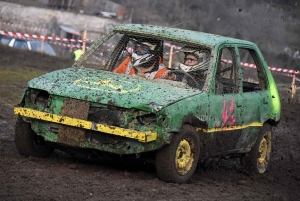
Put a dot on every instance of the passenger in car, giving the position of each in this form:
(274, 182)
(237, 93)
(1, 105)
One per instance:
(145, 61)
(195, 63)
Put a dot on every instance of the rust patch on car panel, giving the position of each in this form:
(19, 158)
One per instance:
(71, 135)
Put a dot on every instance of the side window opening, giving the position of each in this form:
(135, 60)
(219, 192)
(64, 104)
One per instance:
(4, 40)
(191, 59)
(20, 44)
(227, 76)
(253, 75)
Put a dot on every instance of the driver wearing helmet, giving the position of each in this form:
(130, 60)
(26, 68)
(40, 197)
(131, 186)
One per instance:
(144, 61)
(195, 63)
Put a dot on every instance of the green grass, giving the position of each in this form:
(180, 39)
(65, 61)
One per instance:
(13, 81)
(12, 75)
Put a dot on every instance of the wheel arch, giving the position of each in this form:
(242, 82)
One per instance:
(194, 121)
(272, 122)
(175, 168)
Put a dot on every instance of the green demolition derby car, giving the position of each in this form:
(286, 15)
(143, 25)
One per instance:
(133, 93)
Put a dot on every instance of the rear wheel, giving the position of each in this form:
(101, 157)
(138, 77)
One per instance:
(27, 142)
(257, 160)
(177, 162)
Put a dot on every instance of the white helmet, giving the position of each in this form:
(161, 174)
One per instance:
(201, 55)
(143, 53)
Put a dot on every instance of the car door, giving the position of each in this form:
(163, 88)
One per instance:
(225, 103)
(255, 96)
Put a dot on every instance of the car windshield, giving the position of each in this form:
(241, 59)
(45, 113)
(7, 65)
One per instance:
(159, 60)
(36, 46)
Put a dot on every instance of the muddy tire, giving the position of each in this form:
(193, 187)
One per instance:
(26, 141)
(257, 160)
(177, 162)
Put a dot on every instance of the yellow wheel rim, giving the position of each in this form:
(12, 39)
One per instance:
(264, 153)
(184, 157)
(263, 148)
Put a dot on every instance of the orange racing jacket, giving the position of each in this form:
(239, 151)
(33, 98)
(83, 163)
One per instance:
(126, 67)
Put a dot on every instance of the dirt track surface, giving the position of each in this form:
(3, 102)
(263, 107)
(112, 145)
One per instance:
(65, 176)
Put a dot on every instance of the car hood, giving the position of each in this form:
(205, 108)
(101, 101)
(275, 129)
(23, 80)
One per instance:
(109, 88)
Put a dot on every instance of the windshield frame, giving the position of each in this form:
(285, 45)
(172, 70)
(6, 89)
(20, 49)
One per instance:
(118, 49)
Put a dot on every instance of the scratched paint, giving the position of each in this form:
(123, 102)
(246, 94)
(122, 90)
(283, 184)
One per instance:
(114, 86)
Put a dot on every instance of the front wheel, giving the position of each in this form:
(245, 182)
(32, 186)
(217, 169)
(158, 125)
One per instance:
(257, 160)
(27, 141)
(177, 162)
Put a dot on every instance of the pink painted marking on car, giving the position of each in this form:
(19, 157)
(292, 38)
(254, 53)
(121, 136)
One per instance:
(225, 113)
(231, 109)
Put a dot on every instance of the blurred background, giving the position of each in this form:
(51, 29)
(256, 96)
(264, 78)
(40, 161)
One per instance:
(273, 25)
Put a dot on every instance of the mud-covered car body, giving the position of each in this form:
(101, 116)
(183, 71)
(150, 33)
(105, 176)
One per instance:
(89, 106)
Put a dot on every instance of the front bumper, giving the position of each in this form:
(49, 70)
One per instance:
(147, 136)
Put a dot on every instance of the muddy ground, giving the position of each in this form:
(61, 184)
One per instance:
(65, 176)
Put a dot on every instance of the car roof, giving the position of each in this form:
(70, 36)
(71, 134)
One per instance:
(181, 35)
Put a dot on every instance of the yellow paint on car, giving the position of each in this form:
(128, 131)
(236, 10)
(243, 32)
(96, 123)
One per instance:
(146, 136)
(229, 128)
(108, 84)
